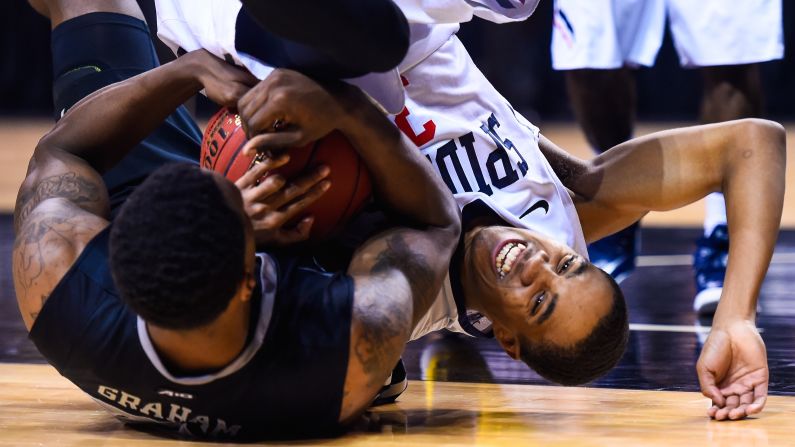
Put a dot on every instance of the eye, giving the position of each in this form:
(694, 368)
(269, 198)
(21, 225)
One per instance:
(537, 302)
(567, 262)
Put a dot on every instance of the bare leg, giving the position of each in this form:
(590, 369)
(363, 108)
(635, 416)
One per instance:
(59, 11)
(604, 104)
(731, 92)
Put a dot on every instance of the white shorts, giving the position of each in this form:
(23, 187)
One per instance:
(612, 33)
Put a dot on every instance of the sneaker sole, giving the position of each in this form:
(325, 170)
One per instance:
(391, 393)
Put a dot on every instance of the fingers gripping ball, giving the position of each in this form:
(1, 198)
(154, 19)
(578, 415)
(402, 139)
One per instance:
(221, 151)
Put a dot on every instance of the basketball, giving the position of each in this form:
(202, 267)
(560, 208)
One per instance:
(221, 151)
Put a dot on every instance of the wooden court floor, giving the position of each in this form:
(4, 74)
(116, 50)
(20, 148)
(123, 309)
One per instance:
(467, 392)
(39, 408)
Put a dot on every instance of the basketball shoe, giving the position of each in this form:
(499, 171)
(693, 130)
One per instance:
(709, 263)
(394, 386)
(615, 254)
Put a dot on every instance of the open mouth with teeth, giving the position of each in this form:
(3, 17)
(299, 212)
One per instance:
(506, 256)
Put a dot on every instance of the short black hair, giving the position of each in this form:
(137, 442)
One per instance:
(177, 249)
(592, 356)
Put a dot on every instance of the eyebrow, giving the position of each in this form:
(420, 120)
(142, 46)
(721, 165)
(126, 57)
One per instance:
(580, 270)
(548, 311)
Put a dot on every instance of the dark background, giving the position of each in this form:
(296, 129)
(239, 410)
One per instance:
(515, 57)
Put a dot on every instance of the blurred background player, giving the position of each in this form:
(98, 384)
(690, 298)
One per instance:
(598, 43)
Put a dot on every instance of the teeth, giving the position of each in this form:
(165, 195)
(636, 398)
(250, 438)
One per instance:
(507, 256)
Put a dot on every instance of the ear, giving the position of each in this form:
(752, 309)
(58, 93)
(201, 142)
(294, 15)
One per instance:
(248, 285)
(507, 339)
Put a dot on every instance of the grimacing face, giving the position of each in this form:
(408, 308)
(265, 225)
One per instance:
(534, 288)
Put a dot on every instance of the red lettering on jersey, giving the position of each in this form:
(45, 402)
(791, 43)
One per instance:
(404, 80)
(429, 128)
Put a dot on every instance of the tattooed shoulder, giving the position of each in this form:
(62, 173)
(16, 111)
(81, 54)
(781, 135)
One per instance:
(83, 191)
(47, 243)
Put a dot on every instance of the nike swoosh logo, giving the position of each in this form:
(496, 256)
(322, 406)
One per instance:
(541, 204)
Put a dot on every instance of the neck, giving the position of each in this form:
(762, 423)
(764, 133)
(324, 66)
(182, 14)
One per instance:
(210, 347)
(472, 299)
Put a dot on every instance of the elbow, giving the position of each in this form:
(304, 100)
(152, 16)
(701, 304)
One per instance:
(770, 136)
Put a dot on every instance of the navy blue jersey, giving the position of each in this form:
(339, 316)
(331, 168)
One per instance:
(288, 379)
(94, 50)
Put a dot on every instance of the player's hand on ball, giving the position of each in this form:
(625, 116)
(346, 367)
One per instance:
(223, 83)
(733, 371)
(288, 109)
(273, 204)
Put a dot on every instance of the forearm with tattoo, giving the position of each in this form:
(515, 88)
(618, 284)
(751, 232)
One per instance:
(422, 279)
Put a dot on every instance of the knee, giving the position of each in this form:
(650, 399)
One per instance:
(761, 134)
(40, 6)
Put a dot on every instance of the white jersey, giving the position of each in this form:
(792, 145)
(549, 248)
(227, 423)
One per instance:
(213, 24)
(488, 156)
(485, 152)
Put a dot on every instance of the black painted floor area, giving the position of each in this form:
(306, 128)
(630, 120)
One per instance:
(660, 295)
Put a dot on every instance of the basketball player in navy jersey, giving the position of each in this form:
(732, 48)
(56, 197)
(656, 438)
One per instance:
(138, 278)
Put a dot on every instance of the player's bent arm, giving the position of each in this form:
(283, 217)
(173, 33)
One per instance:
(397, 274)
(744, 159)
(107, 124)
(62, 204)
(403, 178)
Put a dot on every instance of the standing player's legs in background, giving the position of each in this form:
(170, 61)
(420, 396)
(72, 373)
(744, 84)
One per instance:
(604, 105)
(726, 43)
(596, 51)
(596, 46)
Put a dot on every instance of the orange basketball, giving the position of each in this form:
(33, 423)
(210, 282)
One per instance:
(350, 189)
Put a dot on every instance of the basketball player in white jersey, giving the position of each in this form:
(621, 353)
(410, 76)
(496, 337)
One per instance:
(598, 43)
(527, 279)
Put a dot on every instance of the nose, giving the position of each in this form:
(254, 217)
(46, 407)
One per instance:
(535, 268)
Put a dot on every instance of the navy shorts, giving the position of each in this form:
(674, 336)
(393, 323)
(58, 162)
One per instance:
(94, 50)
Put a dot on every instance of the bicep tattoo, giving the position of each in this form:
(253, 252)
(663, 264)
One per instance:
(385, 322)
(384, 308)
(80, 190)
(399, 256)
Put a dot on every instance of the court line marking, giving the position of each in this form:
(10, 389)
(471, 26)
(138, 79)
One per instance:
(642, 327)
(668, 328)
(685, 260)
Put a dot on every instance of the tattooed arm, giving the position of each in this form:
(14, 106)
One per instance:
(61, 205)
(399, 273)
